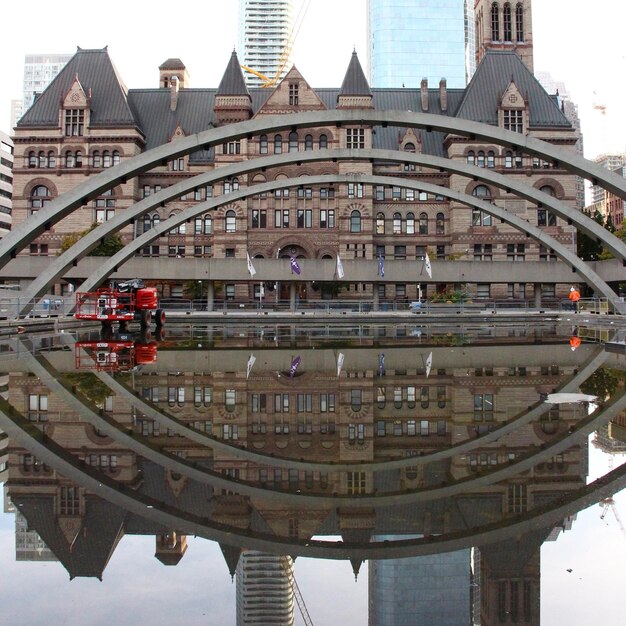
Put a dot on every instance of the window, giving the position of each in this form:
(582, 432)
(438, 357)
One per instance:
(96, 159)
(356, 400)
(423, 224)
(440, 227)
(230, 398)
(483, 407)
(545, 218)
(410, 223)
(32, 159)
(479, 217)
(508, 160)
(356, 483)
(263, 144)
(278, 144)
(293, 141)
(355, 138)
(39, 198)
(304, 218)
(380, 224)
(38, 407)
(355, 222)
(513, 120)
(480, 159)
(517, 498)
(516, 252)
(323, 142)
(397, 224)
(508, 26)
(230, 222)
(116, 157)
(259, 218)
(178, 165)
(327, 403)
(74, 122)
(471, 158)
(495, 22)
(491, 159)
(519, 23)
(483, 252)
(106, 159)
(546, 254)
(399, 253)
(379, 192)
(293, 94)
(355, 190)
(231, 184)
(396, 193)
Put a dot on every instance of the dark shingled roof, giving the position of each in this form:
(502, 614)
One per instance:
(233, 83)
(354, 82)
(95, 71)
(172, 64)
(494, 74)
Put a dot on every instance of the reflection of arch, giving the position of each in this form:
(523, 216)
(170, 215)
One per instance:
(73, 199)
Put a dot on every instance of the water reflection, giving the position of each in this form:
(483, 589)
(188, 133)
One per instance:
(388, 444)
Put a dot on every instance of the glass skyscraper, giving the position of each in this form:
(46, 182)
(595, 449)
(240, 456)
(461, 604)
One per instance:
(409, 40)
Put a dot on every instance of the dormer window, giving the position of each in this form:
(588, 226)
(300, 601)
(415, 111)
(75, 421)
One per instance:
(513, 119)
(293, 94)
(74, 122)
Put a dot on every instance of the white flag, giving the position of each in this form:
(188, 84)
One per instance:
(339, 363)
(250, 266)
(251, 361)
(340, 273)
(427, 266)
(429, 364)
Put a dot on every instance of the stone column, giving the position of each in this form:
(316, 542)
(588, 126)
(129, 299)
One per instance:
(210, 295)
(375, 303)
(537, 295)
(292, 296)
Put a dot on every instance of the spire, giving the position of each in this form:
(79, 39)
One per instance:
(356, 566)
(354, 82)
(233, 83)
(231, 556)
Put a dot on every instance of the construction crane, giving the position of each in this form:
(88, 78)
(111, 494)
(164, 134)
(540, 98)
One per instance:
(266, 81)
(609, 503)
(291, 577)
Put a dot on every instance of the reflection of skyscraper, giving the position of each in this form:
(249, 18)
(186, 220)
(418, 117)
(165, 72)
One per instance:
(433, 590)
(28, 544)
(264, 590)
(264, 31)
(409, 41)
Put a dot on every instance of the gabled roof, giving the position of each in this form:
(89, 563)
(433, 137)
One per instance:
(492, 77)
(97, 75)
(233, 83)
(354, 82)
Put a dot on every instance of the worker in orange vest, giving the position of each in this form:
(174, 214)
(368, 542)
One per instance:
(574, 342)
(574, 296)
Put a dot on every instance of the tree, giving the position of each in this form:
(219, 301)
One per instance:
(110, 246)
(588, 249)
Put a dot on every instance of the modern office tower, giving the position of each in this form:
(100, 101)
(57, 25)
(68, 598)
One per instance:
(559, 91)
(409, 40)
(265, 28)
(6, 183)
(28, 544)
(433, 590)
(39, 71)
(504, 25)
(611, 162)
(264, 590)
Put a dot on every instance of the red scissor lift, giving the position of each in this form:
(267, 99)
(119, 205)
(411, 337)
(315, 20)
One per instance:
(113, 356)
(127, 302)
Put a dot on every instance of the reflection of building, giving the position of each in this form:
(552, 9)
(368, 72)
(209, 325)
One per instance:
(6, 183)
(433, 590)
(264, 590)
(264, 34)
(409, 42)
(28, 544)
(103, 124)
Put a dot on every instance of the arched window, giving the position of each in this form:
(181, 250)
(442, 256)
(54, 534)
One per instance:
(231, 184)
(230, 222)
(440, 224)
(471, 157)
(410, 223)
(491, 159)
(293, 141)
(423, 224)
(156, 220)
(308, 142)
(32, 159)
(481, 218)
(97, 159)
(39, 197)
(106, 159)
(323, 141)
(380, 224)
(70, 160)
(263, 144)
(147, 223)
(278, 144)
(508, 26)
(116, 157)
(177, 230)
(519, 23)
(355, 222)
(79, 158)
(409, 147)
(508, 159)
(545, 217)
(208, 224)
(548, 189)
(43, 159)
(52, 160)
(356, 400)
(480, 160)
(397, 224)
(495, 22)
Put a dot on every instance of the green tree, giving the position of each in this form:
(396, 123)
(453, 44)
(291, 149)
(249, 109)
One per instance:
(588, 249)
(110, 246)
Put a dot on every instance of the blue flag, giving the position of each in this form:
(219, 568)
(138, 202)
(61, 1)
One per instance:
(381, 364)
(381, 265)
(295, 268)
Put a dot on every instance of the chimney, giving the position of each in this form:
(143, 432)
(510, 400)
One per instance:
(173, 93)
(424, 93)
(443, 95)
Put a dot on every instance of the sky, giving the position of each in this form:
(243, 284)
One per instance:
(579, 42)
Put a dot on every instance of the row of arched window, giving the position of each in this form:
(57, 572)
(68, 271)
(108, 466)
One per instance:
(292, 144)
(502, 29)
(73, 158)
(410, 225)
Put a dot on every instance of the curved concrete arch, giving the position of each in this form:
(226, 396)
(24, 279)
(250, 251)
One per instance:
(56, 269)
(591, 277)
(102, 485)
(79, 195)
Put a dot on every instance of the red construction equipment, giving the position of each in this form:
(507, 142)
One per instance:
(114, 356)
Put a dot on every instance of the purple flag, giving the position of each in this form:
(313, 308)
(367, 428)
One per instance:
(294, 366)
(295, 268)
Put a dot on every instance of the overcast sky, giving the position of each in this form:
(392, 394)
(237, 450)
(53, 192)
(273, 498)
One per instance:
(578, 42)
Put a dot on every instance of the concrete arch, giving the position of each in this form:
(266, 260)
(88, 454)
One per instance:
(90, 241)
(79, 195)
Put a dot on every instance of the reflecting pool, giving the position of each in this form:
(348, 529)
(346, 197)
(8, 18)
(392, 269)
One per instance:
(314, 474)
